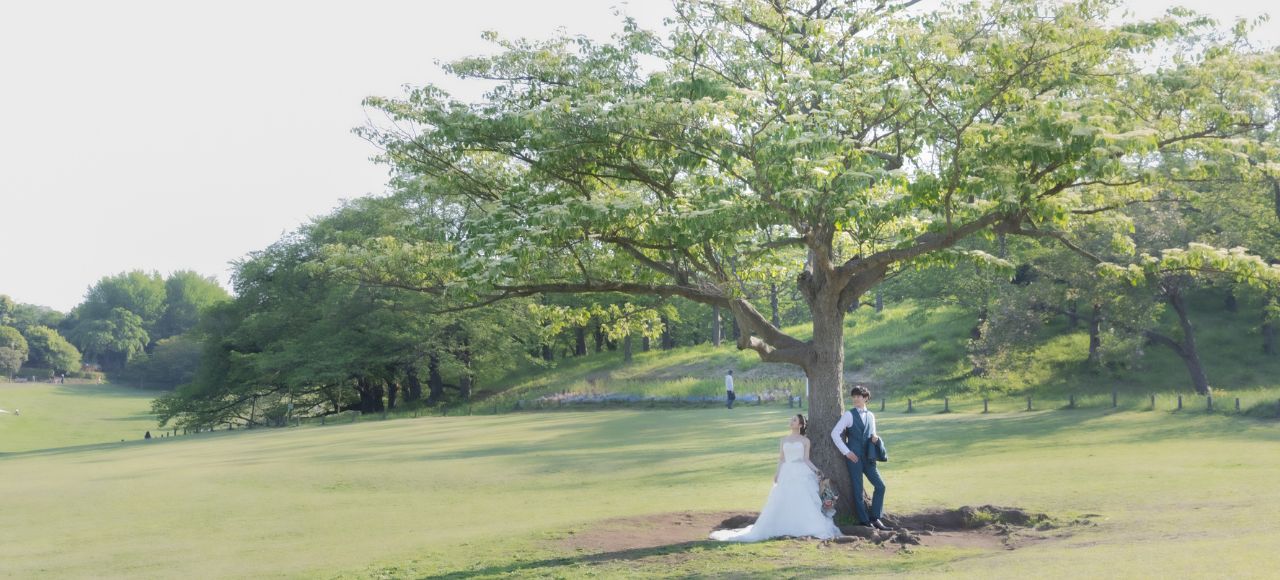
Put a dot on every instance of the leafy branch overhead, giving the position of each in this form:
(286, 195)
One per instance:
(843, 140)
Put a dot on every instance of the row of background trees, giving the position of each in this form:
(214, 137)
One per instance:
(133, 326)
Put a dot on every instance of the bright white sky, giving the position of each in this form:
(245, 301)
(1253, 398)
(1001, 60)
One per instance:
(162, 135)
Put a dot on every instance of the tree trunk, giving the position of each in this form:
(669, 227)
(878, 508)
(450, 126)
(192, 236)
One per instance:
(580, 341)
(1095, 333)
(626, 349)
(414, 391)
(547, 354)
(826, 395)
(773, 305)
(879, 301)
(370, 395)
(1230, 302)
(393, 391)
(715, 326)
(668, 341)
(1186, 348)
(465, 383)
(598, 334)
(737, 331)
(975, 333)
(1268, 338)
(1268, 333)
(1275, 194)
(1191, 354)
(1073, 316)
(644, 344)
(435, 382)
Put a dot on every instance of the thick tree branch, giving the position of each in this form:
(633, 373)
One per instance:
(923, 244)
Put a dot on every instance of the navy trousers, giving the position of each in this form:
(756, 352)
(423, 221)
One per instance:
(856, 472)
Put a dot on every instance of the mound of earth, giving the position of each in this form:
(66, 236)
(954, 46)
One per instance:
(991, 527)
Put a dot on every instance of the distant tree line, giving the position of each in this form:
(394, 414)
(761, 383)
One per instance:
(133, 326)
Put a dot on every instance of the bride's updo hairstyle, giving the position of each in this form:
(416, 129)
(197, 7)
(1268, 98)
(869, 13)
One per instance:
(804, 425)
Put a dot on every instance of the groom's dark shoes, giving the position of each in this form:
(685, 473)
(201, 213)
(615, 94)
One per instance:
(879, 525)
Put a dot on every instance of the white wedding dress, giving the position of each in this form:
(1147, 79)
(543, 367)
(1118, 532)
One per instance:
(793, 508)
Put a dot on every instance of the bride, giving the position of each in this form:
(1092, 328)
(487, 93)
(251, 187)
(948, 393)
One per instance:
(793, 508)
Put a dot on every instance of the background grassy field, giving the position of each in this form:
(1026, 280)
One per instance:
(67, 415)
(1184, 493)
(1188, 494)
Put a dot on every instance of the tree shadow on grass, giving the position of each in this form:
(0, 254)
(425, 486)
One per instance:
(629, 555)
(105, 390)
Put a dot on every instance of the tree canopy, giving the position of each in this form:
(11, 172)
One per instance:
(841, 142)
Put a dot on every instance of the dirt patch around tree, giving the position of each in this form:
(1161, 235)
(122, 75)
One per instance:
(983, 527)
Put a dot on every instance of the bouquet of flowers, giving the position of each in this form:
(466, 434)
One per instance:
(827, 491)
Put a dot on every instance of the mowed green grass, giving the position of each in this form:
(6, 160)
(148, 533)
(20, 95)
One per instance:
(1175, 495)
(66, 415)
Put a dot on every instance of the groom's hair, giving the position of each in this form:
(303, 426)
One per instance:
(860, 390)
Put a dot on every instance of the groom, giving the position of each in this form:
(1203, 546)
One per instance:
(858, 427)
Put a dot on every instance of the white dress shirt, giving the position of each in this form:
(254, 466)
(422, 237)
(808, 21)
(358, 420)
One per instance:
(728, 383)
(846, 421)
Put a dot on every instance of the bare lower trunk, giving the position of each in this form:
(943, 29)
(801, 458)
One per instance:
(598, 336)
(1191, 354)
(413, 391)
(1186, 348)
(370, 395)
(773, 305)
(435, 382)
(975, 333)
(626, 348)
(1268, 338)
(465, 383)
(644, 344)
(826, 401)
(579, 341)
(715, 326)
(1095, 334)
(393, 391)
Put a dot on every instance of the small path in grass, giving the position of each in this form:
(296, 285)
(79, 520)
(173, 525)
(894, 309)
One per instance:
(985, 527)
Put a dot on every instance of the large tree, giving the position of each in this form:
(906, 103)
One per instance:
(13, 350)
(51, 351)
(186, 295)
(848, 140)
(298, 337)
(112, 340)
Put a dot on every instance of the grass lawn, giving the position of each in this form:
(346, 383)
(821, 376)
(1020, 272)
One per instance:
(1175, 495)
(66, 415)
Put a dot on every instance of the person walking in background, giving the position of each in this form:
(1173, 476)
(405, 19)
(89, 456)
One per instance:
(728, 389)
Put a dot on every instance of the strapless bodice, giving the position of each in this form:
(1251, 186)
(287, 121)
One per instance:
(793, 451)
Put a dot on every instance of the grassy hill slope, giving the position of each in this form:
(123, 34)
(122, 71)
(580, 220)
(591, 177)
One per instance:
(920, 351)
